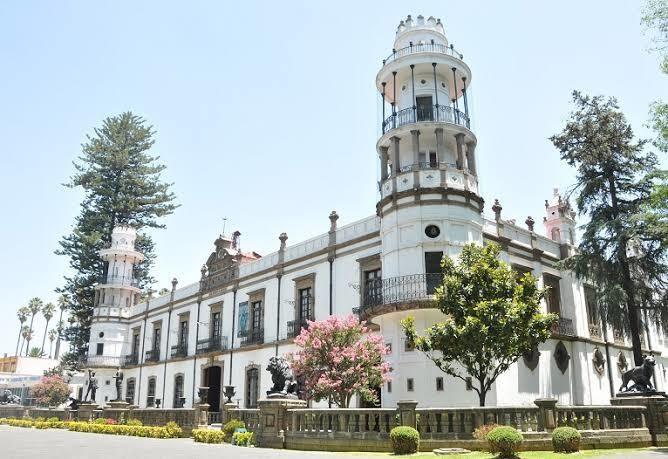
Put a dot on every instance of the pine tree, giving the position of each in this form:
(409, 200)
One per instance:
(122, 184)
(620, 251)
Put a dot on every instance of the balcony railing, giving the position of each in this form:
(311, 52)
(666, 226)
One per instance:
(129, 360)
(215, 343)
(253, 337)
(295, 327)
(153, 355)
(438, 113)
(563, 327)
(119, 280)
(415, 287)
(103, 361)
(180, 350)
(423, 48)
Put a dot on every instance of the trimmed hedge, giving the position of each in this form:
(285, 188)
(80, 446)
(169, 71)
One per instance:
(405, 440)
(208, 436)
(504, 440)
(243, 438)
(134, 431)
(231, 426)
(566, 440)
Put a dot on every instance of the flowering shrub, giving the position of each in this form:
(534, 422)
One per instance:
(338, 358)
(208, 436)
(51, 391)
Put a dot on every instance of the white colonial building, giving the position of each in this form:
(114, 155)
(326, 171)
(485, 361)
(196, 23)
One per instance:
(247, 308)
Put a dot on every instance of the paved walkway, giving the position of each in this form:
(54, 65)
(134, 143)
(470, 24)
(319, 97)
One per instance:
(19, 443)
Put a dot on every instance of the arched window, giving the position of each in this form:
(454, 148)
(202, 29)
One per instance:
(130, 391)
(556, 234)
(150, 393)
(252, 387)
(179, 399)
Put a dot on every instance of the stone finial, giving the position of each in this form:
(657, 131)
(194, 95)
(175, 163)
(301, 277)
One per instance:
(203, 271)
(497, 210)
(150, 293)
(333, 217)
(236, 244)
(175, 281)
(283, 238)
(530, 222)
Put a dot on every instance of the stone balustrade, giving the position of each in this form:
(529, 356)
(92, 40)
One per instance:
(601, 417)
(346, 420)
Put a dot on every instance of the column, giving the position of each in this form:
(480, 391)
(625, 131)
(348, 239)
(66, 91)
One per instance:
(395, 156)
(440, 146)
(461, 160)
(383, 163)
(470, 153)
(415, 135)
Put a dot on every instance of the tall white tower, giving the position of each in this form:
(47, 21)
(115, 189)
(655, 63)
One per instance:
(429, 203)
(116, 293)
(560, 219)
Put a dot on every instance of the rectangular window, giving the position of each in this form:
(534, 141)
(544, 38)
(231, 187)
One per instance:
(135, 343)
(130, 391)
(305, 310)
(410, 385)
(592, 306)
(432, 269)
(156, 342)
(373, 287)
(252, 387)
(439, 383)
(256, 315)
(183, 333)
(553, 295)
(408, 345)
(389, 387)
(99, 350)
(150, 394)
(424, 108)
(389, 347)
(215, 325)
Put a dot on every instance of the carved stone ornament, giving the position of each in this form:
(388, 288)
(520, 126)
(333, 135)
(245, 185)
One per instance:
(561, 357)
(531, 358)
(599, 361)
(622, 364)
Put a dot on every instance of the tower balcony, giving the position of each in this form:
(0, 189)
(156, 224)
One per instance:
(426, 177)
(433, 113)
(415, 291)
(103, 361)
(436, 48)
(119, 281)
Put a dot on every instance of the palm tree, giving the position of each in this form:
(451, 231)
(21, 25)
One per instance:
(35, 352)
(47, 311)
(53, 334)
(63, 302)
(22, 314)
(35, 305)
(26, 333)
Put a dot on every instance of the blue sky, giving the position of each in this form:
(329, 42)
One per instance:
(266, 112)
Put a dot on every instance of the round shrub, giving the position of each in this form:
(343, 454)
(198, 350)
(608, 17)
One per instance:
(480, 433)
(173, 429)
(231, 426)
(405, 440)
(100, 421)
(243, 439)
(504, 440)
(134, 422)
(566, 440)
(53, 419)
(208, 435)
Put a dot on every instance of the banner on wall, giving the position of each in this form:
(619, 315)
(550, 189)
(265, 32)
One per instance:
(243, 319)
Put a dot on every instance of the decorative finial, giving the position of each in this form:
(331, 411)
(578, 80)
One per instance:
(283, 237)
(175, 282)
(497, 210)
(333, 217)
(530, 222)
(235, 240)
(203, 271)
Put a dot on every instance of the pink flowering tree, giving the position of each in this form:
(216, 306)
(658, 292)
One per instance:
(338, 358)
(51, 391)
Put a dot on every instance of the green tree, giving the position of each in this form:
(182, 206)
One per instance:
(492, 318)
(122, 184)
(620, 251)
(22, 314)
(35, 306)
(27, 335)
(47, 311)
(63, 302)
(53, 334)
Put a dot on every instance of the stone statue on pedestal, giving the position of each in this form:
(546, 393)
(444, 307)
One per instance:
(92, 386)
(641, 377)
(282, 377)
(119, 385)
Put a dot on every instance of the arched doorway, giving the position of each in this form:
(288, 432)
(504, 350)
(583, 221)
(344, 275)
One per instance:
(212, 379)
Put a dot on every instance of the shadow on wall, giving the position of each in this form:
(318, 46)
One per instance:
(528, 381)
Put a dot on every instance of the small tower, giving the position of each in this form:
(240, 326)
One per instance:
(560, 219)
(118, 290)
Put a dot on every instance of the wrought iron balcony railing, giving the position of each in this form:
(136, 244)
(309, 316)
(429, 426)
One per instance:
(253, 337)
(129, 360)
(415, 287)
(103, 361)
(119, 280)
(423, 48)
(215, 343)
(152, 355)
(295, 327)
(180, 350)
(438, 113)
(563, 327)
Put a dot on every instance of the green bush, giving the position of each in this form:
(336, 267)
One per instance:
(504, 440)
(53, 419)
(243, 438)
(175, 430)
(20, 422)
(405, 440)
(118, 429)
(40, 419)
(480, 433)
(566, 440)
(208, 436)
(100, 421)
(134, 422)
(3, 420)
(231, 426)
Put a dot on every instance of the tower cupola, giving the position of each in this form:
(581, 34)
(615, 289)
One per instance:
(560, 219)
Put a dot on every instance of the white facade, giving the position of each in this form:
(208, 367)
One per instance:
(222, 330)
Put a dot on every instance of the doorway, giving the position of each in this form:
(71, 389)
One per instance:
(212, 379)
(432, 268)
(424, 108)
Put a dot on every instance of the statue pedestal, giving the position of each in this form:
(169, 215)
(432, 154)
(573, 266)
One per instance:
(117, 409)
(201, 414)
(274, 419)
(656, 403)
(85, 412)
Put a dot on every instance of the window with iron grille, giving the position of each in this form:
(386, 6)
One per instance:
(553, 296)
(183, 333)
(130, 391)
(373, 287)
(256, 315)
(252, 387)
(178, 391)
(150, 393)
(156, 342)
(135, 343)
(99, 350)
(305, 310)
(215, 324)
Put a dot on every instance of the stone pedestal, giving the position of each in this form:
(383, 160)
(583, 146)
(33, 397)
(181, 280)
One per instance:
(85, 412)
(547, 419)
(657, 412)
(226, 415)
(201, 415)
(274, 420)
(406, 410)
(117, 410)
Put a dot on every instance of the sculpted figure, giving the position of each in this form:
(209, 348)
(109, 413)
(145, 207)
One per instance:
(92, 385)
(641, 377)
(282, 377)
(119, 384)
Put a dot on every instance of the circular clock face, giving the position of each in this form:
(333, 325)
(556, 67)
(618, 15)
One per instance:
(432, 231)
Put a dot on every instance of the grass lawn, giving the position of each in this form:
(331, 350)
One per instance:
(523, 455)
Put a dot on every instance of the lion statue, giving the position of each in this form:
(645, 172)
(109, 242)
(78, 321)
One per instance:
(7, 398)
(282, 377)
(641, 377)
